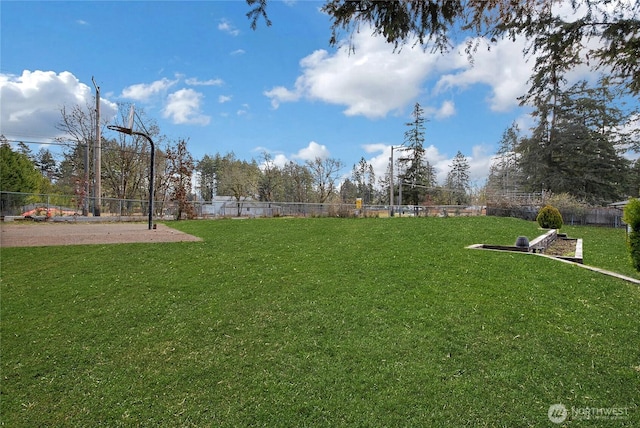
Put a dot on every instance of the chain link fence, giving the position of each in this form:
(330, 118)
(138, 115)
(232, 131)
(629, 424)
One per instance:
(607, 217)
(14, 204)
(41, 206)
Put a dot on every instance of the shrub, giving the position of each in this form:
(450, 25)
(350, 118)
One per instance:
(549, 218)
(633, 244)
(631, 216)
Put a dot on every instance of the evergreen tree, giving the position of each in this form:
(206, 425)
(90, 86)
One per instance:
(17, 174)
(504, 173)
(364, 179)
(633, 184)
(25, 150)
(348, 192)
(206, 177)
(46, 164)
(575, 147)
(417, 175)
(458, 179)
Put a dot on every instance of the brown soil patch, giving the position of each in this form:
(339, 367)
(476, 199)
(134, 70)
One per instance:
(49, 234)
(562, 247)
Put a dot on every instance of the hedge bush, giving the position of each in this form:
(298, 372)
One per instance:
(549, 218)
(631, 216)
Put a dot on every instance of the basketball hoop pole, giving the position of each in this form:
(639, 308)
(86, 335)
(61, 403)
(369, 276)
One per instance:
(130, 131)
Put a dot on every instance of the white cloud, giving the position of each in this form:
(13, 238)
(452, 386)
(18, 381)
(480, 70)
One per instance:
(447, 109)
(280, 94)
(183, 107)
(82, 22)
(238, 52)
(633, 125)
(380, 162)
(211, 82)
(144, 91)
(375, 147)
(280, 160)
(226, 27)
(312, 151)
(30, 104)
(309, 153)
(374, 81)
(503, 68)
(371, 82)
(244, 110)
(525, 123)
(224, 98)
(479, 163)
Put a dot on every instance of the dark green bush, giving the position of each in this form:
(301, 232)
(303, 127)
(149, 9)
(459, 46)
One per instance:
(631, 216)
(549, 218)
(634, 248)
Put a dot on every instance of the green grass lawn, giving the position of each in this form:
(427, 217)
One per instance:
(319, 322)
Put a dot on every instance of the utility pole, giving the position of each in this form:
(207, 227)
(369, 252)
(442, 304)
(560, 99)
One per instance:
(400, 183)
(97, 190)
(85, 180)
(391, 185)
(391, 189)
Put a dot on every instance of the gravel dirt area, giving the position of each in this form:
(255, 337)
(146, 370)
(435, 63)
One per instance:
(42, 234)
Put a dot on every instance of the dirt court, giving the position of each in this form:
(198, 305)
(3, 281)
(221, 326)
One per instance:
(19, 234)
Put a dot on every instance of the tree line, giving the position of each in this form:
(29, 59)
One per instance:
(182, 179)
(582, 144)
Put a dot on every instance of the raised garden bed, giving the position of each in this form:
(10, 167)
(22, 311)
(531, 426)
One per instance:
(550, 244)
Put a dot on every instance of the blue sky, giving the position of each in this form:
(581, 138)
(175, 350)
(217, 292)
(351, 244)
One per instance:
(200, 71)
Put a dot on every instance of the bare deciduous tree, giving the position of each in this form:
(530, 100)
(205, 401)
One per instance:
(180, 170)
(325, 173)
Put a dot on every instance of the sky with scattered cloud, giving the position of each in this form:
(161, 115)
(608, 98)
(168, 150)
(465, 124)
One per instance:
(203, 75)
